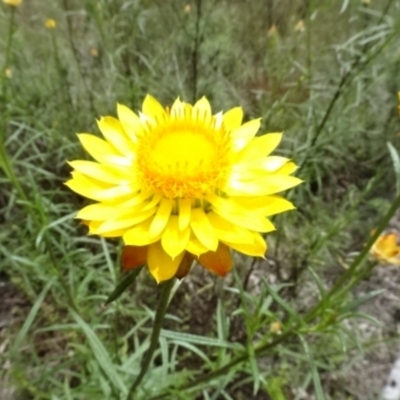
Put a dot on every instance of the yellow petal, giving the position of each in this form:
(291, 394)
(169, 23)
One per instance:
(152, 202)
(134, 200)
(260, 146)
(152, 108)
(227, 231)
(97, 212)
(173, 240)
(195, 247)
(129, 121)
(269, 184)
(225, 204)
(93, 226)
(133, 257)
(242, 135)
(113, 132)
(127, 219)
(233, 118)
(139, 235)
(250, 221)
(106, 173)
(177, 109)
(257, 249)
(266, 206)
(94, 190)
(102, 151)
(185, 207)
(202, 229)
(202, 110)
(219, 261)
(161, 218)
(286, 169)
(268, 164)
(161, 265)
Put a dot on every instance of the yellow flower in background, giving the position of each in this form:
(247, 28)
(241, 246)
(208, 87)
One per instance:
(94, 52)
(398, 107)
(181, 184)
(8, 73)
(50, 23)
(14, 3)
(272, 30)
(300, 27)
(387, 249)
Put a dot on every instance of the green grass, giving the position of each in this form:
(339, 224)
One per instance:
(331, 88)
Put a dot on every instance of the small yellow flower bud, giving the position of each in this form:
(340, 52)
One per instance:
(13, 3)
(94, 52)
(299, 27)
(276, 328)
(8, 73)
(272, 31)
(50, 23)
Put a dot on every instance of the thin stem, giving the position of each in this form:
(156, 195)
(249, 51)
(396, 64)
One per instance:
(165, 291)
(62, 71)
(195, 53)
(4, 85)
(75, 55)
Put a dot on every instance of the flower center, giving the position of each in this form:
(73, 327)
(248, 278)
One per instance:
(183, 160)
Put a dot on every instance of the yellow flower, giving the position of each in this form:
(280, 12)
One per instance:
(181, 184)
(8, 73)
(275, 328)
(14, 3)
(50, 23)
(387, 249)
(94, 52)
(299, 27)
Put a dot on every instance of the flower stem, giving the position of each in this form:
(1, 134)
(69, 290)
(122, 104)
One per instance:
(165, 291)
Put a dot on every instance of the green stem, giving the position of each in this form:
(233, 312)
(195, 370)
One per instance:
(165, 291)
(4, 85)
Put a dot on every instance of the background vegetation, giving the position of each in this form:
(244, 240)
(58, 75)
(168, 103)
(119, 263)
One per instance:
(325, 72)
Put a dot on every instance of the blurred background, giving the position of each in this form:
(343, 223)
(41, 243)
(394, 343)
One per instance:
(326, 72)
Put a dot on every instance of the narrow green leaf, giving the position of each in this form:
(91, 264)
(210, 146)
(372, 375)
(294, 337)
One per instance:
(199, 340)
(282, 302)
(101, 354)
(314, 371)
(29, 320)
(361, 300)
(123, 285)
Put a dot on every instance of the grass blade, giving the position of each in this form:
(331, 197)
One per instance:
(123, 285)
(101, 354)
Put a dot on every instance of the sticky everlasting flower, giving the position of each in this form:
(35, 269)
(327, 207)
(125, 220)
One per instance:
(50, 23)
(387, 248)
(14, 3)
(181, 184)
